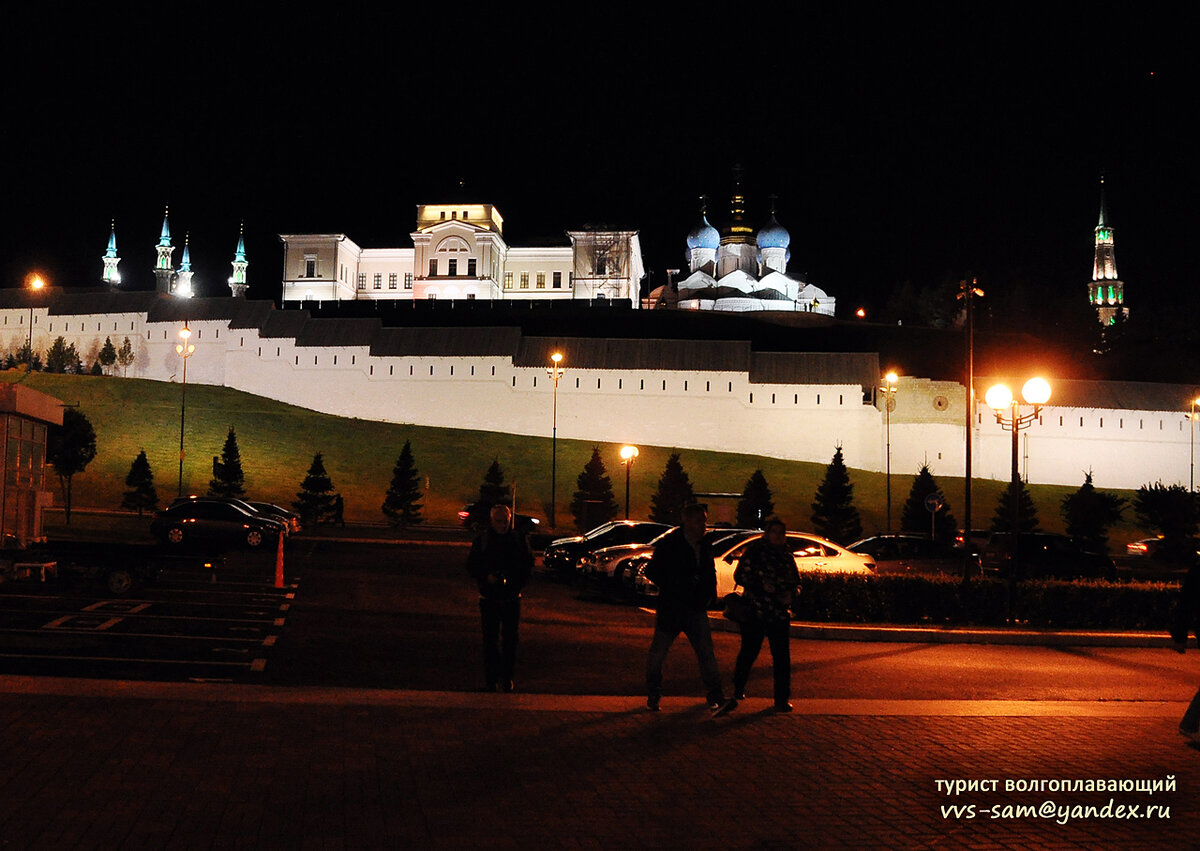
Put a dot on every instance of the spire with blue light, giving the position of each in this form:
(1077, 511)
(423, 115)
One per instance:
(110, 275)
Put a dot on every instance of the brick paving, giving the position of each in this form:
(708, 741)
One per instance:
(100, 765)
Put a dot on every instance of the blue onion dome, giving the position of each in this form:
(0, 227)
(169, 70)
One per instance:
(704, 235)
(773, 235)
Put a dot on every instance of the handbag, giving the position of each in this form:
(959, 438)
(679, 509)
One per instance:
(735, 607)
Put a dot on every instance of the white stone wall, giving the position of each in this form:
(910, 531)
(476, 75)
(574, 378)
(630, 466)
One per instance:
(702, 410)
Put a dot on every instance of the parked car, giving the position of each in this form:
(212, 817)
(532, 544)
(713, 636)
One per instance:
(291, 518)
(610, 570)
(258, 509)
(563, 555)
(1042, 555)
(910, 553)
(214, 523)
(477, 516)
(813, 554)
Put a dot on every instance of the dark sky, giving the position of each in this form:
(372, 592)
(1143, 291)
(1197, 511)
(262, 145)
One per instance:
(913, 148)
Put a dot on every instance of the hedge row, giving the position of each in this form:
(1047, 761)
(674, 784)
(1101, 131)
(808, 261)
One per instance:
(946, 600)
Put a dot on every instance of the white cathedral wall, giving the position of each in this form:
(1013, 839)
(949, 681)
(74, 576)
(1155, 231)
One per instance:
(714, 410)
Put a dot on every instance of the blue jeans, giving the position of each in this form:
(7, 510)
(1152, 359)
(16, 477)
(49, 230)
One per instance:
(668, 623)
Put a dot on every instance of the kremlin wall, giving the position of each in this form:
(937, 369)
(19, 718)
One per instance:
(702, 394)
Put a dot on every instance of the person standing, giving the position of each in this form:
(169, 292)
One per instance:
(501, 565)
(768, 576)
(682, 568)
(1187, 622)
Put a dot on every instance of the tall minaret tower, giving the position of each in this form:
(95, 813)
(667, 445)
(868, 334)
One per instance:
(1106, 292)
(110, 275)
(163, 273)
(237, 283)
(183, 278)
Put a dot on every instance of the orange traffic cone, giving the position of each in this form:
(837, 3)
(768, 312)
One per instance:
(279, 563)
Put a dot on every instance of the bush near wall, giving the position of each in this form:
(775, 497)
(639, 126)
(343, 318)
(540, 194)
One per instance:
(945, 600)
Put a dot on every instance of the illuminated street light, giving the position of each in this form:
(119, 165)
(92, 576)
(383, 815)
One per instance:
(889, 402)
(184, 349)
(999, 398)
(35, 284)
(628, 453)
(555, 372)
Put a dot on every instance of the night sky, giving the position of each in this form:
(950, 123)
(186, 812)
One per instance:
(916, 148)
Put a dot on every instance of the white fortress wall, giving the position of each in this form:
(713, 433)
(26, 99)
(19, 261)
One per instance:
(710, 409)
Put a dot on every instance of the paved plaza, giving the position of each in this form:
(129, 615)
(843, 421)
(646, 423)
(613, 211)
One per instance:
(96, 765)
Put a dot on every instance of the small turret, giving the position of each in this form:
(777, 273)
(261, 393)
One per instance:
(163, 274)
(110, 275)
(237, 283)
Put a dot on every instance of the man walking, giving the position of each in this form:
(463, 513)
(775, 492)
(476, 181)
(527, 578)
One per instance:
(501, 565)
(682, 568)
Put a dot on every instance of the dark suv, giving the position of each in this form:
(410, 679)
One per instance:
(563, 555)
(1044, 556)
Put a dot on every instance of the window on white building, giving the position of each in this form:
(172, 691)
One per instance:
(310, 267)
(541, 280)
(524, 280)
(557, 283)
(408, 280)
(362, 281)
(433, 266)
(378, 281)
(471, 266)
(508, 280)
(453, 270)
(392, 281)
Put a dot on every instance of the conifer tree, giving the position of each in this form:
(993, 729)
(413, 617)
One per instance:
(1027, 519)
(834, 515)
(402, 503)
(1090, 512)
(141, 495)
(915, 516)
(593, 502)
(315, 499)
(228, 479)
(674, 492)
(756, 505)
(494, 491)
(70, 448)
(108, 354)
(125, 356)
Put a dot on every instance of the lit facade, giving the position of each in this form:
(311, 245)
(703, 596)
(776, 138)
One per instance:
(459, 252)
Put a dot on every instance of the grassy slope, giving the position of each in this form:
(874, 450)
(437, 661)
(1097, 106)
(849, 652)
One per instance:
(277, 443)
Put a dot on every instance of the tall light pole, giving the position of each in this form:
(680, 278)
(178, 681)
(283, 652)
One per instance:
(1192, 449)
(35, 284)
(555, 372)
(889, 401)
(184, 349)
(628, 453)
(1000, 399)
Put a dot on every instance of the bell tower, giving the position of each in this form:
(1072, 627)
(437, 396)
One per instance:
(1106, 292)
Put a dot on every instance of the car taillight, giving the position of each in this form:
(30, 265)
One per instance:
(1137, 548)
(463, 515)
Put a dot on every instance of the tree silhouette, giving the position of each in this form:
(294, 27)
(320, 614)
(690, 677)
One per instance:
(228, 479)
(494, 491)
(108, 354)
(1090, 512)
(915, 517)
(315, 500)
(402, 503)
(70, 448)
(834, 515)
(141, 495)
(1172, 511)
(674, 492)
(755, 506)
(593, 502)
(1027, 519)
(125, 356)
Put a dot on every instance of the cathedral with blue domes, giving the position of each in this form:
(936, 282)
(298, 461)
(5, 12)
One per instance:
(739, 269)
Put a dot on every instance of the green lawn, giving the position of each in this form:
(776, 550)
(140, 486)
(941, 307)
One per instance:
(277, 443)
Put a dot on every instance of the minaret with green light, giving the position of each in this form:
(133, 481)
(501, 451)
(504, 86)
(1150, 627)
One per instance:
(237, 283)
(163, 273)
(183, 278)
(111, 276)
(1106, 292)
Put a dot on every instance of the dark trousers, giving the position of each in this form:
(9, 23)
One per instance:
(668, 623)
(778, 636)
(500, 619)
(1191, 718)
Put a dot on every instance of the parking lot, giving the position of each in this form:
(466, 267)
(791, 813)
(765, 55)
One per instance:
(191, 623)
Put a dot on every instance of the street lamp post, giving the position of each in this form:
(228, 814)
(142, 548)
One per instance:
(35, 284)
(628, 453)
(184, 349)
(555, 372)
(889, 401)
(1000, 399)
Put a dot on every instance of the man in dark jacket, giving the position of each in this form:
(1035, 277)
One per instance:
(501, 565)
(682, 568)
(1187, 621)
